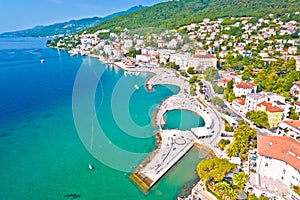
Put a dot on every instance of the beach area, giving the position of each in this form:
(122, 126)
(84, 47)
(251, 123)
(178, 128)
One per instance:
(172, 145)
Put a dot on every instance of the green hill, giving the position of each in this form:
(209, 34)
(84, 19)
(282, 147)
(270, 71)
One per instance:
(173, 14)
(66, 28)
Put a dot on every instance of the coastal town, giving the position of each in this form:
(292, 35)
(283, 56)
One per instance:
(242, 76)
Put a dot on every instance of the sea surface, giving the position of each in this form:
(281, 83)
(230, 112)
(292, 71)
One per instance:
(59, 116)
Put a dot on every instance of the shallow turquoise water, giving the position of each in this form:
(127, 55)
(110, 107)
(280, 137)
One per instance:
(43, 152)
(182, 119)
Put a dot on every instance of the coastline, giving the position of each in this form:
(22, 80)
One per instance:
(139, 176)
(144, 183)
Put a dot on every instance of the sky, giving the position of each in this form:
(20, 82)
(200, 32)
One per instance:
(23, 14)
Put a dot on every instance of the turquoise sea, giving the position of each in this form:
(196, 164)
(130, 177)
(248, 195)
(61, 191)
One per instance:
(53, 125)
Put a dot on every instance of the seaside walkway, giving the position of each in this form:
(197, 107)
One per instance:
(173, 144)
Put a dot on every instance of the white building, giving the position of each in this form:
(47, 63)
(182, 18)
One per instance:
(143, 58)
(295, 90)
(289, 128)
(180, 59)
(244, 88)
(252, 100)
(202, 62)
(238, 104)
(278, 164)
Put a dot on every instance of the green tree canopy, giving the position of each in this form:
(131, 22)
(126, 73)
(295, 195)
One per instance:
(210, 74)
(259, 118)
(214, 169)
(242, 136)
(240, 179)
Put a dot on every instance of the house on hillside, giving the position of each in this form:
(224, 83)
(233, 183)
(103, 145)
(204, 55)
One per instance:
(244, 88)
(202, 62)
(278, 165)
(274, 113)
(295, 90)
(289, 128)
(238, 104)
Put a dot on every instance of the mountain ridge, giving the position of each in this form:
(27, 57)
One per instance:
(69, 27)
(173, 14)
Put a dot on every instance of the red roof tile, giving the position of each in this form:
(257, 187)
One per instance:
(293, 123)
(297, 103)
(240, 101)
(270, 107)
(224, 80)
(205, 56)
(245, 85)
(281, 148)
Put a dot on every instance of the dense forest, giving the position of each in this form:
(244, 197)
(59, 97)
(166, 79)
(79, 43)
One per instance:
(173, 14)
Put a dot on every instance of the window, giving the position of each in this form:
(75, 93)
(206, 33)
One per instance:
(266, 165)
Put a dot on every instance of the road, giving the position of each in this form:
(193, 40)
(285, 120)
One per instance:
(231, 112)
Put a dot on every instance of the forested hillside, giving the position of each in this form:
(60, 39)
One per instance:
(173, 14)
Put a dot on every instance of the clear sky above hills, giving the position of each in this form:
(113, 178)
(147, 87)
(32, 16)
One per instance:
(22, 14)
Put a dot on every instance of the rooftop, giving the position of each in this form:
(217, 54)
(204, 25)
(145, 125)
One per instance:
(245, 85)
(240, 101)
(293, 123)
(281, 148)
(224, 80)
(204, 56)
(270, 107)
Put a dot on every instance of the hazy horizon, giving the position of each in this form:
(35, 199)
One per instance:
(29, 14)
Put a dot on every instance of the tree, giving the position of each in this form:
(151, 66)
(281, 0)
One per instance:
(231, 194)
(183, 73)
(259, 118)
(222, 188)
(210, 74)
(173, 65)
(293, 115)
(222, 143)
(193, 79)
(218, 101)
(263, 198)
(218, 89)
(240, 179)
(252, 197)
(191, 70)
(242, 136)
(214, 169)
(226, 191)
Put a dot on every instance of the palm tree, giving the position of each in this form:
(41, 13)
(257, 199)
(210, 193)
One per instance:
(231, 194)
(240, 179)
(223, 188)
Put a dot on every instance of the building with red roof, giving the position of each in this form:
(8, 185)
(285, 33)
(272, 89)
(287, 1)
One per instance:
(243, 88)
(202, 62)
(223, 82)
(274, 113)
(289, 128)
(239, 104)
(278, 163)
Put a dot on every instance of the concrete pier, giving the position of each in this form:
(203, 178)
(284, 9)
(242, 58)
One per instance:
(172, 144)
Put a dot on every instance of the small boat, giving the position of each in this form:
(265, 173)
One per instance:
(42, 60)
(136, 86)
(91, 167)
(73, 52)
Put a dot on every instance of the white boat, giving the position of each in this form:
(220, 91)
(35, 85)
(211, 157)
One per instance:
(42, 60)
(91, 167)
(136, 86)
(73, 53)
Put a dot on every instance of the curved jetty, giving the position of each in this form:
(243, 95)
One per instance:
(172, 144)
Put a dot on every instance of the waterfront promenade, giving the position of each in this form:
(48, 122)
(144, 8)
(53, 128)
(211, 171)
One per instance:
(173, 144)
